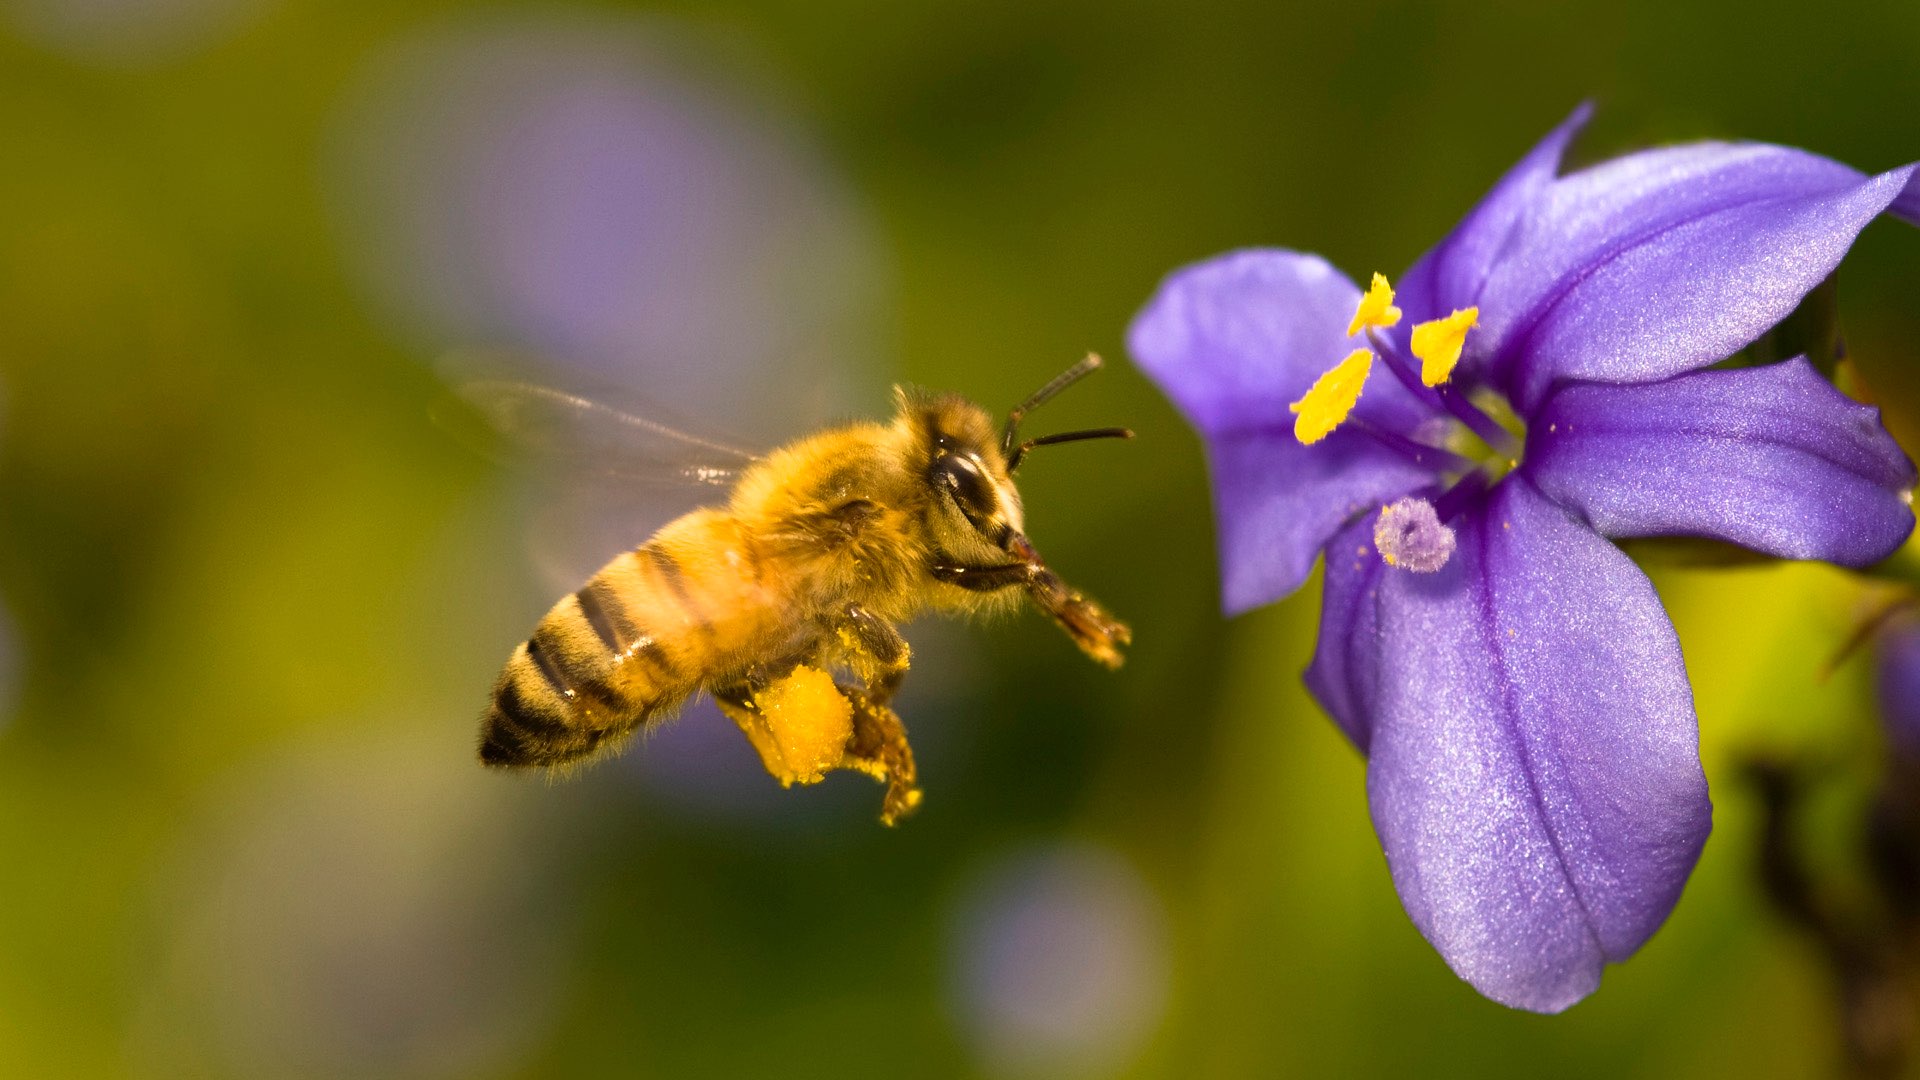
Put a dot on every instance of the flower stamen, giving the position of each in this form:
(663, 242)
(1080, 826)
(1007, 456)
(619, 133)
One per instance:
(1332, 396)
(1376, 307)
(1438, 343)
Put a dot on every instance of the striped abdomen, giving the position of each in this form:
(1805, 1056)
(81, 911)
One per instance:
(631, 644)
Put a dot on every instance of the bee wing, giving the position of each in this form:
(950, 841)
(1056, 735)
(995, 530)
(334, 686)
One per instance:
(519, 422)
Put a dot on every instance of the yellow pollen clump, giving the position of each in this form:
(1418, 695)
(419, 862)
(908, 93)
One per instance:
(1438, 344)
(1376, 308)
(808, 726)
(1331, 397)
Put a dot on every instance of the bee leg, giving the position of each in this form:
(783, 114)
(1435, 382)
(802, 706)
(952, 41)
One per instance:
(879, 748)
(738, 705)
(983, 578)
(1098, 634)
(800, 724)
(879, 653)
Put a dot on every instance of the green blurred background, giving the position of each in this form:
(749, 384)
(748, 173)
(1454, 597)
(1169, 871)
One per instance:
(253, 599)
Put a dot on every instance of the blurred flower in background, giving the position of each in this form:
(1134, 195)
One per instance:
(609, 195)
(1058, 961)
(357, 911)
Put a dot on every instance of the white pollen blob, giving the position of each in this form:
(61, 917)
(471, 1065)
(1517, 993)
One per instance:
(1410, 536)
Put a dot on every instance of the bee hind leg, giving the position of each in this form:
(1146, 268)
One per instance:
(880, 749)
(875, 651)
(804, 725)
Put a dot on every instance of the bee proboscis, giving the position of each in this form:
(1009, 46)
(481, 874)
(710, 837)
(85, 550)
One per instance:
(820, 549)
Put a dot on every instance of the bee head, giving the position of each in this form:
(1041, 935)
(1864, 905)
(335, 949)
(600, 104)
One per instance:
(976, 503)
(970, 464)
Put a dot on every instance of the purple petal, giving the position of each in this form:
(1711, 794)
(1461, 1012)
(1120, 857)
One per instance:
(1898, 654)
(1236, 339)
(1772, 458)
(1277, 502)
(1534, 775)
(1906, 206)
(1452, 274)
(1232, 342)
(1668, 260)
(1346, 660)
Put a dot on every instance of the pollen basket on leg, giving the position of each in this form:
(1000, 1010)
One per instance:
(1331, 398)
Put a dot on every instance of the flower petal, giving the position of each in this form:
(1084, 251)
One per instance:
(1452, 274)
(1534, 773)
(1772, 458)
(1668, 260)
(1232, 342)
(1345, 670)
(1277, 502)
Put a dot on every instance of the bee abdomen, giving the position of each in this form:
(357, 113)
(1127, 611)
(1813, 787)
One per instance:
(589, 673)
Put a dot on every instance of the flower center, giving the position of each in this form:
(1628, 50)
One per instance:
(1472, 442)
(1436, 344)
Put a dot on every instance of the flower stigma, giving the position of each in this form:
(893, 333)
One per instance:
(1408, 534)
(1376, 308)
(1331, 397)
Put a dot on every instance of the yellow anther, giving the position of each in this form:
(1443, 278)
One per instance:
(1331, 397)
(1376, 308)
(1438, 344)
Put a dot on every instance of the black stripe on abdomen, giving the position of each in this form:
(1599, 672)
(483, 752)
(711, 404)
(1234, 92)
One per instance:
(519, 732)
(578, 683)
(676, 579)
(608, 616)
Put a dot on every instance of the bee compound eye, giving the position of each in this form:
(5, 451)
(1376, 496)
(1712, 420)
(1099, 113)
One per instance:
(963, 479)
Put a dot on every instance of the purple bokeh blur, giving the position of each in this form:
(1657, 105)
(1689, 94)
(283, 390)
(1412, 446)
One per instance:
(1059, 962)
(606, 195)
(1897, 651)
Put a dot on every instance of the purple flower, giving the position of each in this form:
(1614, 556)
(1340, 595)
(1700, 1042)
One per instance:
(1533, 768)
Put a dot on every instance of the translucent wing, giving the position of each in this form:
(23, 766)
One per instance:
(521, 422)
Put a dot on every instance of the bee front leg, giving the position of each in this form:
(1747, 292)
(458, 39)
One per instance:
(1098, 634)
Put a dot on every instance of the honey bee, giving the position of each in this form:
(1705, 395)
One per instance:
(820, 549)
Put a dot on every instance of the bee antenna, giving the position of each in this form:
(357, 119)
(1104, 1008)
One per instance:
(1020, 452)
(1046, 393)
